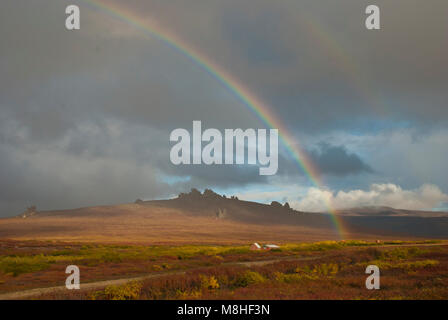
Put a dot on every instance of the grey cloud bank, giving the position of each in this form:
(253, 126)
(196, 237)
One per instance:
(83, 110)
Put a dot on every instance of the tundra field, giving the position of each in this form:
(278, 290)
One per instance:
(198, 246)
(320, 270)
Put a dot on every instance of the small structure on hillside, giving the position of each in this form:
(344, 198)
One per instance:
(270, 246)
(30, 211)
(256, 246)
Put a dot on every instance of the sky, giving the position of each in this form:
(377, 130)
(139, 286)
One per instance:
(85, 115)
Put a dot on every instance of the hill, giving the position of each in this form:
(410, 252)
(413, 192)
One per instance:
(211, 218)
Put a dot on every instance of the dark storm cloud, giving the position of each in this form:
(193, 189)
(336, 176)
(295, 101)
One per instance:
(84, 110)
(217, 176)
(336, 160)
(72, 173)
(316, 64)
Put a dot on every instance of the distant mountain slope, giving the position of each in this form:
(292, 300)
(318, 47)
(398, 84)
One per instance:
(387, 211)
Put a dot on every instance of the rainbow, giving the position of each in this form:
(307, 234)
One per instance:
(250, 100)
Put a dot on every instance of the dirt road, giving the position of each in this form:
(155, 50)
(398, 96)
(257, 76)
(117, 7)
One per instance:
(102, 284)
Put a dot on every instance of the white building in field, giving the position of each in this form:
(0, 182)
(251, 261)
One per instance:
(256, 246)
(270, 246)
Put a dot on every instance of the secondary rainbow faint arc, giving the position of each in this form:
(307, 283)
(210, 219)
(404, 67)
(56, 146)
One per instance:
(253, 103)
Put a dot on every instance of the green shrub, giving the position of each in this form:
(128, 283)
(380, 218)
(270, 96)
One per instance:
(401, 253)
(248, 278)
(20, 265)
(208, 282)
(128, 291)
(325, 269)
(293, 277)
(111, 257)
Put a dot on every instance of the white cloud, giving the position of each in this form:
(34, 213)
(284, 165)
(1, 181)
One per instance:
(426, 197)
